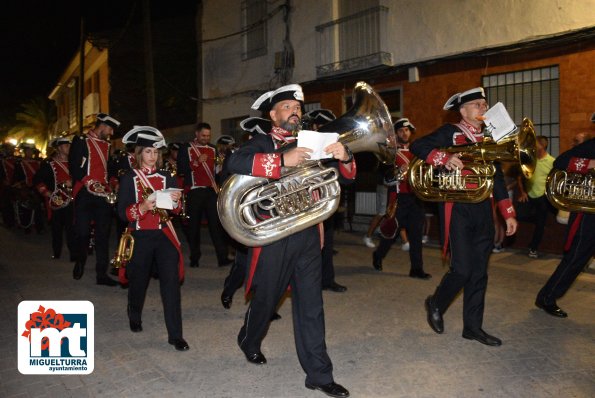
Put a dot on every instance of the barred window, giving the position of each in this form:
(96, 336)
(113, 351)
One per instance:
(254, 23)
(232, 127)
(532, 93)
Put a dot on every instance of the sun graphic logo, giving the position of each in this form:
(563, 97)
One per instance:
(56, 337)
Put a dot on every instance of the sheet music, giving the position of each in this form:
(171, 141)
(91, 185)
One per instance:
(317, 142)
(163, 198)
(498, 122)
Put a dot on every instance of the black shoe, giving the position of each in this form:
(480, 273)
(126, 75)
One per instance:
(256, 358)
(194, 263)
(226, 262)
(275, 317)
(114, 271)
(106, 281)
(331, 389)
(376, 262)
(482, 337)
(136, 326)
(56, 257)
(335, 287)
(78, 270)
(419, 274)
(179, 344)
(434, 316)
(226, 301)
(551, 309)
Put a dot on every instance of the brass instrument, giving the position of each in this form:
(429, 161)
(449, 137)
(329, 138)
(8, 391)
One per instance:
(571, 191)
(111, 198)
(171, 168)
(183, 215)
(400, 174)
(125, 249)
(310, 193)
(62, 196)
(163, 215)
(475, 182)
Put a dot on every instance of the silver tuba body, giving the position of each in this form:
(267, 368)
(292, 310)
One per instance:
(307, 194)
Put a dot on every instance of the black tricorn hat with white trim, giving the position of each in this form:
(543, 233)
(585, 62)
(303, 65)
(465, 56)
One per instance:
(403, 122)
(225, 140)
(145, 136)
(265, 102)
(56, 142)
(320, 116)
(107, 119)
(459, 99)
(256, 125)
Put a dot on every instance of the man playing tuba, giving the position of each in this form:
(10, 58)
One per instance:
(468, 227)
(294, 260)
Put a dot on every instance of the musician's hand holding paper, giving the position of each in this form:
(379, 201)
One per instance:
(167, 197)
(317, 142)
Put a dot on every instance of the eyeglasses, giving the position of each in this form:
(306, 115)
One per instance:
(478, 105)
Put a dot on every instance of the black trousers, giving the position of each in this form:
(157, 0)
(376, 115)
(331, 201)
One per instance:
(237, 273)
(152, 247)
(205, 200)
(471, 241)
(328, 267)
(91, 208)
(537, 211)
(294, 261)
(61, 223)
(410, 215)
(573, 261)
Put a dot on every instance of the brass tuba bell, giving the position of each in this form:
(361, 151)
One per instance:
(571, 191)
(475, 182)
(308, 194)
(125, 249)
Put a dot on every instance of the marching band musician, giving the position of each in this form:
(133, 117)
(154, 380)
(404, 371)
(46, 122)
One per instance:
(54, 184)
(7, 165)
(155, 240)
(88, 163)
(295, 260)
(196, 161)
(409, 213)
(468, 227)
(580, 239)
(25, 169)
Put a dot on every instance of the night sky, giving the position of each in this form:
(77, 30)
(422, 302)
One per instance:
(40, 38)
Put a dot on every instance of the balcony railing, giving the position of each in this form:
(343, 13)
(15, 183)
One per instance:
(353, 43)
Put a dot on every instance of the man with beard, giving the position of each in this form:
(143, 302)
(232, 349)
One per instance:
(88, 166)
(409, 210)
(295, 260)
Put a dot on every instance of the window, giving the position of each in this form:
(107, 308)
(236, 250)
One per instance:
(254, 13)
(232, 127)
(533, 93)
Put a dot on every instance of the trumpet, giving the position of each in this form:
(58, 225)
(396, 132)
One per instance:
(125, 249)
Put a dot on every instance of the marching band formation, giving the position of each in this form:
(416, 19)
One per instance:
(273, 204)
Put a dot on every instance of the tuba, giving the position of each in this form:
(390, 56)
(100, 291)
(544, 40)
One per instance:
(571, 191)
(125, 249)
(475, 182)
(307, 194)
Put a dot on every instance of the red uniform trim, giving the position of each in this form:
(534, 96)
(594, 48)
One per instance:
(349, 174)
(252, 268)
(572, 231)
(437, 158)
(578, 165)
(267, 165)
(506, 208)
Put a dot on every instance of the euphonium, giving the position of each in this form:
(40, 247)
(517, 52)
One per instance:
(310, 193)
(571, 191)
(125, 249)
(475, 182)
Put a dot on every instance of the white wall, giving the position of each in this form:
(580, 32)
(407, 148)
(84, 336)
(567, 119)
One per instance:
(419, 30)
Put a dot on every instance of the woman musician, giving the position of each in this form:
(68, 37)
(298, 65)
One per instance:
(155, 240)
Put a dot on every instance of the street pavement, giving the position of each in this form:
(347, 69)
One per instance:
(376, 332)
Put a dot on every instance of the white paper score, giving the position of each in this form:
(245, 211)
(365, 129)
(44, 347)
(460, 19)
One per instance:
(163, 198)
(316, 142)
